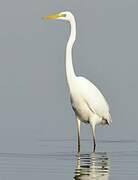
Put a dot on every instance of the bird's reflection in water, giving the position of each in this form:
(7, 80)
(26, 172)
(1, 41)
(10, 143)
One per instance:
(93, 166)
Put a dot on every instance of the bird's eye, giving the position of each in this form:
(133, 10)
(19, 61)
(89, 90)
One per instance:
(64, 15)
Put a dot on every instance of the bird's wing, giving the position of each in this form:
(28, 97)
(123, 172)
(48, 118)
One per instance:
(94, 98)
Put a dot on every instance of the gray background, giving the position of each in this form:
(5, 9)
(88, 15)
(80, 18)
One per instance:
(34, 101)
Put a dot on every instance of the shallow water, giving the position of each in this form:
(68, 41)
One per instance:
(57, 159)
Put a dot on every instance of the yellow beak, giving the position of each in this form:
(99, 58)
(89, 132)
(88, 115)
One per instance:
(53, 16)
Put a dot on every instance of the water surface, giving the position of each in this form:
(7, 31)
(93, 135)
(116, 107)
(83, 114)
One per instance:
(57, 159)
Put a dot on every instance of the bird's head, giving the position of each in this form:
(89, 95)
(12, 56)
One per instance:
(66, 15)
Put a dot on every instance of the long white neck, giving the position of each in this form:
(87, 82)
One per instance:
(69, 66)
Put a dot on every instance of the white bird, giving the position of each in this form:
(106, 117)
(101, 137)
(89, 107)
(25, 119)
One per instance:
(87, 101)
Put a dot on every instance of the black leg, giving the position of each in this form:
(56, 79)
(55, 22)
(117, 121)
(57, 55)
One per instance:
(94, 144)
(78, 142)
(78, 131)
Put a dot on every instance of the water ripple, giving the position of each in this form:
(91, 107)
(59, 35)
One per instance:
(92, 166)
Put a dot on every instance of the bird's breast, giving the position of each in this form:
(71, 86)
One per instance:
(80, 108)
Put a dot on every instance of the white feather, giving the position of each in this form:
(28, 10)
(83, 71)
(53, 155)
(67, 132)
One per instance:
(93, 97)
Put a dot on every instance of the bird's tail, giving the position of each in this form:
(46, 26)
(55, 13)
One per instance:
(107, 120)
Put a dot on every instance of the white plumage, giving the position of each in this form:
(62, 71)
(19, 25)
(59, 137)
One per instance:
(84, 93)
(87, 101)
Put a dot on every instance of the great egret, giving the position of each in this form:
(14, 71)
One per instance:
(87, 101)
